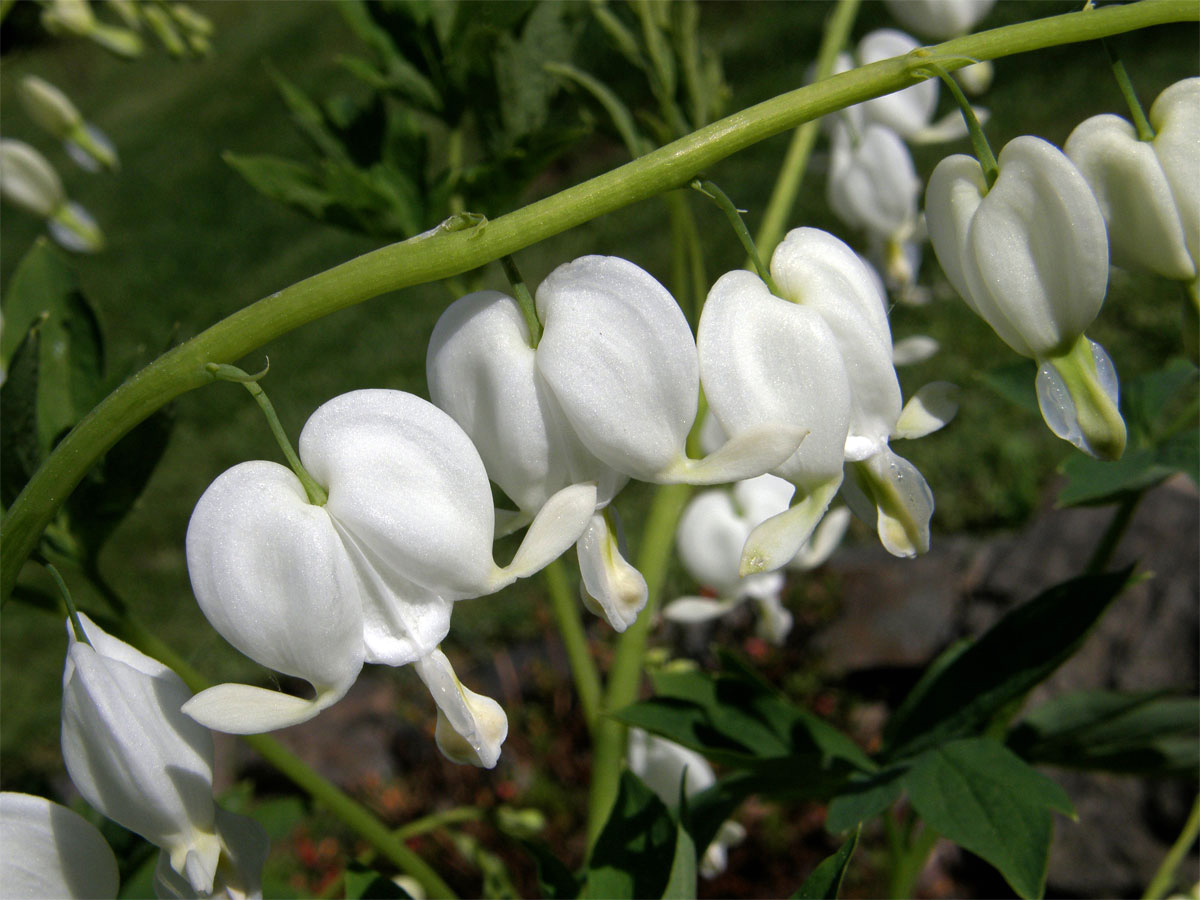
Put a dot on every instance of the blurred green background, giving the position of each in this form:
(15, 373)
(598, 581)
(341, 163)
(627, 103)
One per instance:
(189, 243)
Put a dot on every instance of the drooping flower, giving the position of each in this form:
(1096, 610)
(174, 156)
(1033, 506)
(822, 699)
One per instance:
(50, 108)
(1147, 190)
(140, 761)
(712, 531)
(817, 356)
(52, 851)
(666, 767)
(945, 19)
(1030, 256)
(908, 112)
(609, 393)
(31, 183)
(372, 575)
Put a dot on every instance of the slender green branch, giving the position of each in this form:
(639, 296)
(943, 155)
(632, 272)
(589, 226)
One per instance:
(439, 819)
(524, 299)
(1145, 130)
(325, 792)
(734, 215)
(907, 868)
(979, 141)
(447, 252)
(579, 656)
(624, 678)
(1117, 526)
(317, 495)
(1160, 885)
(804, 138)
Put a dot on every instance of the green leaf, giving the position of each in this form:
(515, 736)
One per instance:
(1093, 481)
(1017, 653)
(681, 880)
(20, 452)
(618, 112)
(108, 492)
(362, 882)
(70, 358)
(635, 852)
(983, 797)
(1149, 400)
(863, 798)
(1150, 733)
(1015, 382)
(284, 180)
(826, 879)
(308, 117)
(524, 85)
(555, 879)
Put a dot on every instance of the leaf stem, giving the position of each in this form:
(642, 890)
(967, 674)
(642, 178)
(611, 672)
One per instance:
(446, 253)
(804, 138)
(734, 215)
(1117, 526)
(979, 141)
(1145, 130)
(625, 676)
(570, 628)
(1160, 885)
(524, 299)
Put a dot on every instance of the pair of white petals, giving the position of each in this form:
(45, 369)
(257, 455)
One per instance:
(1148, 192)
(820, 359)
(712, 532)
(370, 576)
(609, 393)
(140, 761)
(1030, 257)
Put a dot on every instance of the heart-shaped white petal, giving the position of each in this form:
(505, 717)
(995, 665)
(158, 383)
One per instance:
(52, 851)
(1144, 226)
(1175, 115)
(1037, 250)
(816, 270)
(272, 575)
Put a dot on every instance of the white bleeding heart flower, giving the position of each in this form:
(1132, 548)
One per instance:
(372, 575)
(666, 767)
(52, 851)
(908, 112)
(51, 109)
(1030, 256)
(939, 19)
(140, 761)
(470, 727)
(873, 184)
(817, 356)
(609, 393)
(27, 180)
(1147, 190)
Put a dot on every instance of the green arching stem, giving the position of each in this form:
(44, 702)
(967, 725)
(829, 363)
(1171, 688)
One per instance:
(906, 856)
(316, 494)
(979, 141)
(524, 299)
(566, 615)
(1160, 885)
(445, 253)
(1145, 131)
(791, 173)
(624, 678)
(323, 791)
(734, 215)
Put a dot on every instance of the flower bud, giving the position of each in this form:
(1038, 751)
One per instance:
(30, 182)
(53, 110)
